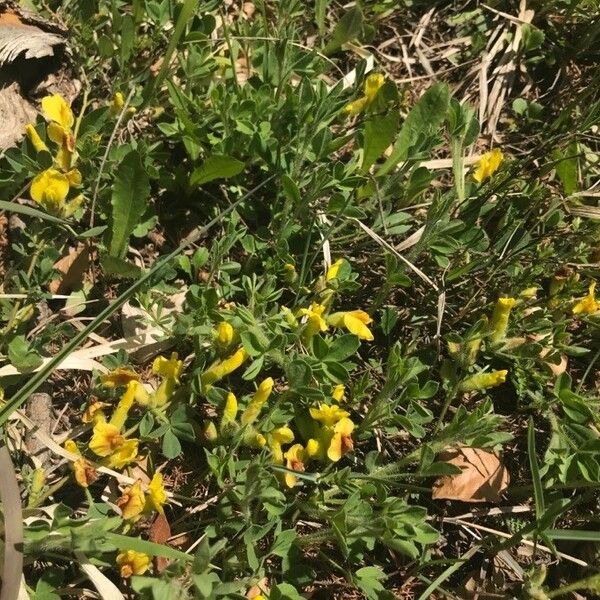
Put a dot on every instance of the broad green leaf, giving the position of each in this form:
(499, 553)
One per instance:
(566, 167)
(380, 131)
(126, 542)
(130, 193)
(21, 355)
(425, 118)
(346, 29)
(119, 266)
(216, 167)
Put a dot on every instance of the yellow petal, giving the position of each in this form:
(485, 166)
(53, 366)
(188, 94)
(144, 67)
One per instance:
(168, 367)
(157, 496)
(125, 454)
(35, 139)
(57, 133)
(56, 109)
(124, 406)
(50, 188)
(118, 377)
(356, 325)
(338, 392)
(132, 501)
(105, 439)
(357, 106)
(333, 270)
(132, 563)
(373, 83)
(587, 305)
(282, 435)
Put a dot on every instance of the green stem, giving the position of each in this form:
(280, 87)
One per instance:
(451, 395)
(458, 168)
(591, 583)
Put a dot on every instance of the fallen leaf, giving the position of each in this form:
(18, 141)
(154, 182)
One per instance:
(160, 532)
(483, 477)
(73, 267)
(260, 589)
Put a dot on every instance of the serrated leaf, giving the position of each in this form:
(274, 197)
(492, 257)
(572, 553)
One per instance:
(130, 193)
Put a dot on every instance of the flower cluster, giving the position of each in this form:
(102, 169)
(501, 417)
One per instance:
(51, 187)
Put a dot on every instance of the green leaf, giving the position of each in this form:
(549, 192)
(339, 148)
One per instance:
(567, 167)
(425, 118)
(538, 489)
(171, 447)
(118, 266)
(93, 232)
(125, 542)
(22, 356)
(130, 193)
(283, 542)
(379, 134)
(23, 209)
(343, 347)
(216, 167)
(346, 29)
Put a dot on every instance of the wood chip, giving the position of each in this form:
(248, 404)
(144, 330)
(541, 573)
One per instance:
(483, 477)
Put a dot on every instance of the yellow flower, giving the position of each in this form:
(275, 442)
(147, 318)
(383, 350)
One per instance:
(168, 367)
(224, 333)
(530, 292)
(210, 432)
(338, 392)
(85, 473)
(157, 496)
(126, 453)
(260, 397)
(123, 407)
(222, 368)
(355, 321)
(589, 304)
(35, 139)
(93, 412)
(117, 104)
(487, 165)
(133, 563)
(499, 320)
(289, 273)
(57, 110)
(313, 448)
(282, 435)
(294, 461)
(59, 113)
(373, 84)
(341, 442)
(314, 320)
(332, 272)
(50, 189)
(229, 411)
(118, 377)
(132, 502)
(106, 438)
(83, 470)
(482, 381)
(328, 415)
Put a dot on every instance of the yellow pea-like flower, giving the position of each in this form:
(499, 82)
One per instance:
(157, 496)
(499, 320)
(168, 367)
(229, 411)
(55, 108)
(333, 270)
(328, 415)
(50, 189)
(260, 397)
(338, 392)
(132, 502)
(355, 321)
(295, 457)
(314, 319)
(131, 563)
(373, 83)
(124, 406)
(488, 164)
(587, 305)
(106, 438)
(94, 412)
(341, 442)
(125, 454)
(222, 368)
(117, 104)
(482, 381)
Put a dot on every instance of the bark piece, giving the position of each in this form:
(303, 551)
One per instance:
(483, 477)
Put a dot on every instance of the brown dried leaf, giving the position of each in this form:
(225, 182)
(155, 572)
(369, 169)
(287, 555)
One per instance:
(73, 266)
(483, 477)
(160, 532)
(261, 588)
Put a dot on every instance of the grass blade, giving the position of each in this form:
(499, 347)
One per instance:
(538, 490)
